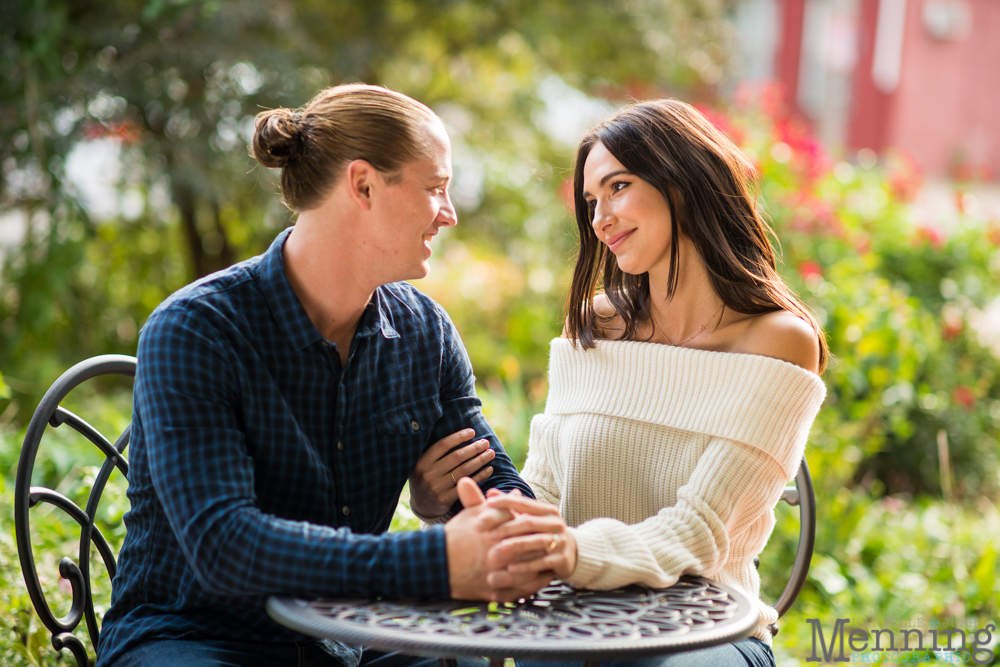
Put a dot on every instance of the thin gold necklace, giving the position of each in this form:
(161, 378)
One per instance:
(698, 332)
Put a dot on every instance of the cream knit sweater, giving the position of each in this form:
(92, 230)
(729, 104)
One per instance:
(668, 460)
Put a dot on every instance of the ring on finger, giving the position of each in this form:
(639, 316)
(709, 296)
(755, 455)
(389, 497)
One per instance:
(455, 481)
(553, 544)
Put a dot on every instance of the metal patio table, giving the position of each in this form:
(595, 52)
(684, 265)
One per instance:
(557, 623)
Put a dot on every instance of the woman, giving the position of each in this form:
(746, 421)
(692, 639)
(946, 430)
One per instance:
(681, 397)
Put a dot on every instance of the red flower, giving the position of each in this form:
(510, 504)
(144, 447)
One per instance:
(769, 97)
(966, 171)
(952, 328)
(723, 124)
(962, 394)
(810, 270)
(807, 151)
(993, 232)
(962, 171)
(931, 234)
(905, 178)
(126, 131)
(812, 215)
(960, 200)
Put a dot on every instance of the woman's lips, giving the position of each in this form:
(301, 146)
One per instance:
(617, 240)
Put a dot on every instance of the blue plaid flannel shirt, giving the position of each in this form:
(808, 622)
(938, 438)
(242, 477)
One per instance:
(259, 466)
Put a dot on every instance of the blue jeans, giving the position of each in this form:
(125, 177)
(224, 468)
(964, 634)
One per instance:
(750, 652)
(216, 653)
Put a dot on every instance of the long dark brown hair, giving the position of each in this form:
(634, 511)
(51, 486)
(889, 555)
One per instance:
(708, 184)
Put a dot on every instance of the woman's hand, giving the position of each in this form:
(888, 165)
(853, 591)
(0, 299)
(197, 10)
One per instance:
(468, 542)
(536, 540)
(434, 478)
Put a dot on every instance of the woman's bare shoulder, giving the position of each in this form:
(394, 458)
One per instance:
(609, 322)
(781, 335)
(603, 307)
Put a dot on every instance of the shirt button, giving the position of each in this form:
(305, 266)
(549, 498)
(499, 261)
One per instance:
(340, 446)
(415, 425)
(346, 510)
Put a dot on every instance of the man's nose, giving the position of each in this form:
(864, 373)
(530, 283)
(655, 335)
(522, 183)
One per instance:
(447, 216)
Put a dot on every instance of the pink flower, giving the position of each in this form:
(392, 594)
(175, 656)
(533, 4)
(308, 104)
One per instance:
(893, 504)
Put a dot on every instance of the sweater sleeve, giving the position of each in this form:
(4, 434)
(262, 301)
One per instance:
(538, 472)
(731, 486)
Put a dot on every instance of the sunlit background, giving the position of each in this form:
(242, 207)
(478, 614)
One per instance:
(874, 125)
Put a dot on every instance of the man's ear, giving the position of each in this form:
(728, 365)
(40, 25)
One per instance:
(362, 179)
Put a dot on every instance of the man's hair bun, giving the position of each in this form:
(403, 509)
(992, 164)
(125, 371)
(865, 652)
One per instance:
(314, 144)
(277, 138)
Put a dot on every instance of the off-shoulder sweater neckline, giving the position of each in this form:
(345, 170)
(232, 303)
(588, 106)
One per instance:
(760, 401)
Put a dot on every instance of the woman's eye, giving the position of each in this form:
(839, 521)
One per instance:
(592, 206)
(618, 186)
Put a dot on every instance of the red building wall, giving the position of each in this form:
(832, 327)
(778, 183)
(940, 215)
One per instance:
(871, 108)
(789, 51)
(945, 108)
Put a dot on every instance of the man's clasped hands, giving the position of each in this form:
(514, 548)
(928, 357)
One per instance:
(502, 546)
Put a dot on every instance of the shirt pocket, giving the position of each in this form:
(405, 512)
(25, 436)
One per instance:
(416, 418)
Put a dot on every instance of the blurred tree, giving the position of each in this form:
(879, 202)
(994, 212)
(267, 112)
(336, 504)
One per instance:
(166, 91)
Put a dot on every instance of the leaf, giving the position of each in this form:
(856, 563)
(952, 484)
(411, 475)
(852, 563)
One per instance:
(985, 574)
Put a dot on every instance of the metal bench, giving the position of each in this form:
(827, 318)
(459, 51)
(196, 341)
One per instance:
(77, 572)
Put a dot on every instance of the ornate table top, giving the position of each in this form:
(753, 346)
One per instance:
(558, 621)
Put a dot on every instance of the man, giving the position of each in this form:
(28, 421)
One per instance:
(281, 404)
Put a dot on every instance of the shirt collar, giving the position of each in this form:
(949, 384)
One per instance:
(377, 317)
(291, 316)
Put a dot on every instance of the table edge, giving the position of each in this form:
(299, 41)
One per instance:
(283, 610)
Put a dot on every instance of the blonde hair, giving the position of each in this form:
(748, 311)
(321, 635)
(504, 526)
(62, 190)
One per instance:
(312, 145)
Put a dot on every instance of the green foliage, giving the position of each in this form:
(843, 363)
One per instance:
(171, 89)
(896, 560)
(909, 378)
